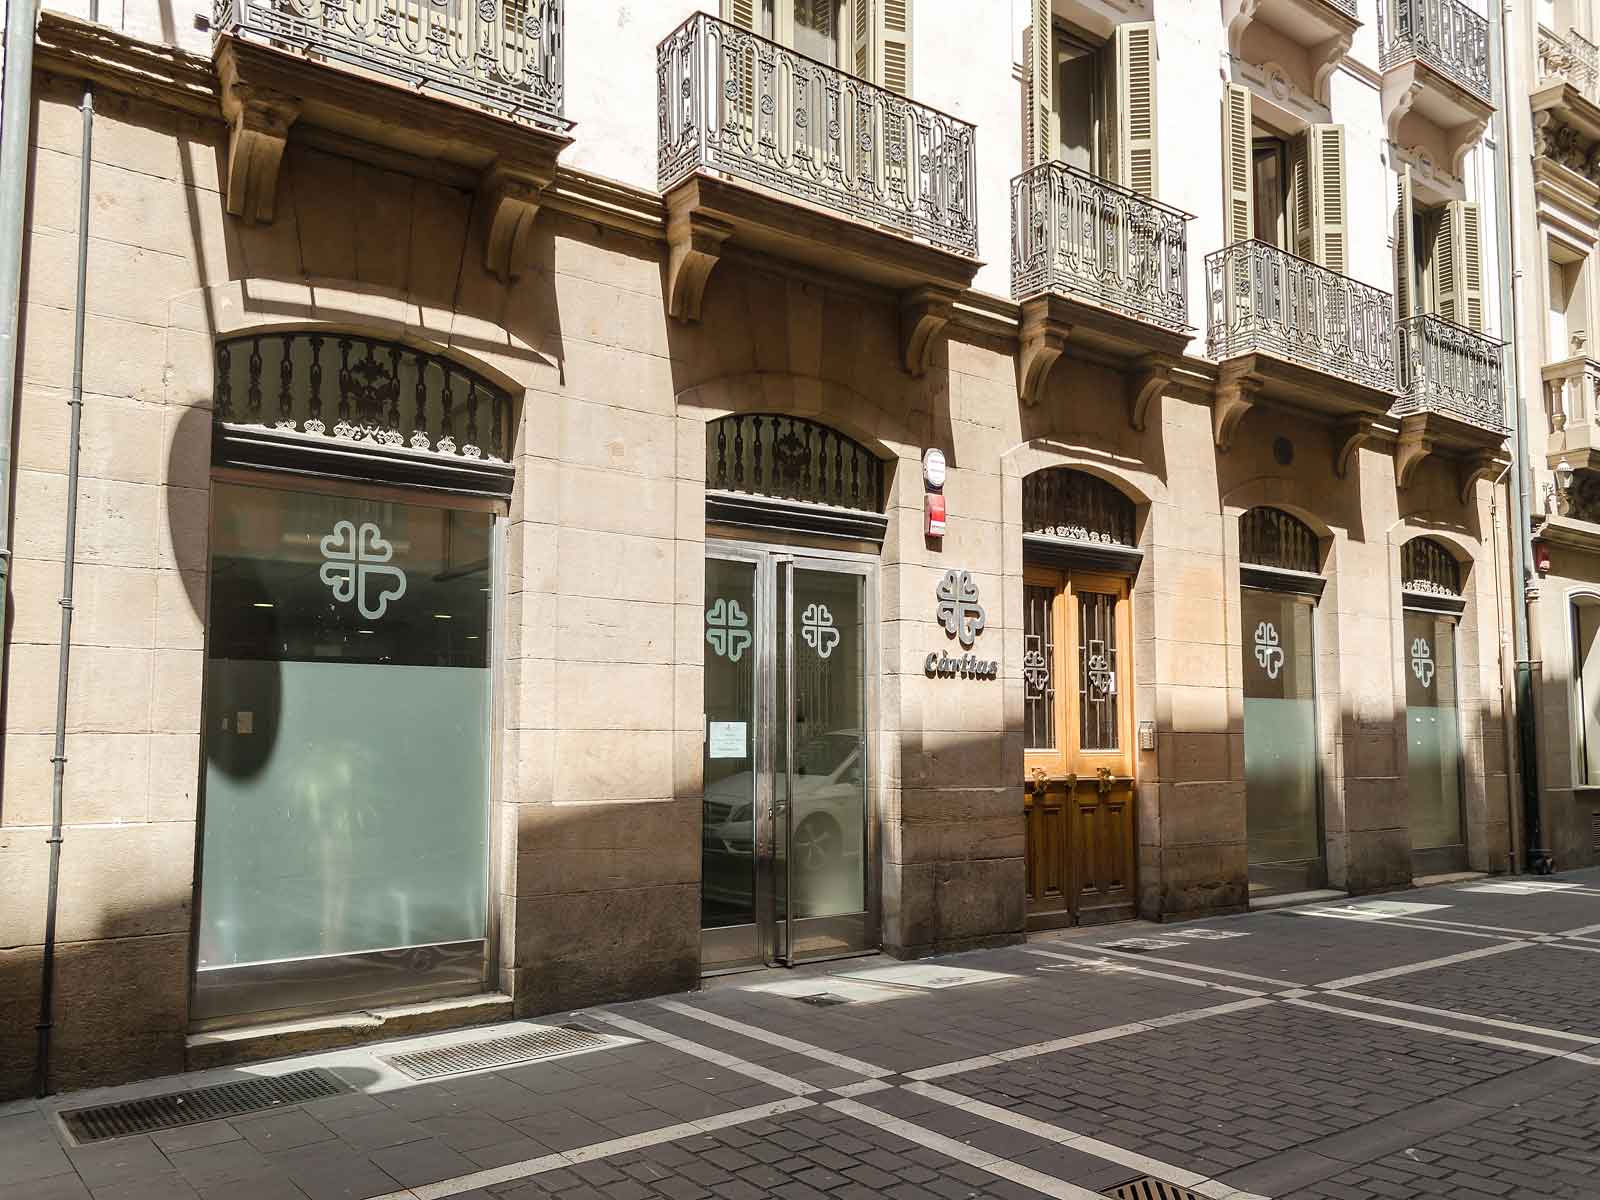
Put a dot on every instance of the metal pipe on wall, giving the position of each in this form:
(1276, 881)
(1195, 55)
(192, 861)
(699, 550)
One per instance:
(58, 757)
(1536, 858)
(16, 109)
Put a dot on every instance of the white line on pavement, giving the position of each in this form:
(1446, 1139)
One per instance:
(820, 1053)
(1580, 931)
(1092, 956)
(1425, 965)
(1461, 1016)
(512, 1172)
(1188, 966)
(784, 1083)
(1444, 1031)
(961, 1152)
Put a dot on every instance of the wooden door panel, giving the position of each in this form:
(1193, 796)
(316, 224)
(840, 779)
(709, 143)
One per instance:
(1045, 821)
(1101, 834)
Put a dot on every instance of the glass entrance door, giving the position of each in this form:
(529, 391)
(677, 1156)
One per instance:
(787, 836)
(1433, 744)
(1282, 810)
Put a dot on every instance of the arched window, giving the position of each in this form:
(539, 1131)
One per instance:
(353, 407)
(1427, 567)
(1270, 537)
(769, 471)
(1075, 506)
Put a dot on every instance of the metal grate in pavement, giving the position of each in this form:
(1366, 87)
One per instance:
(175, 1109)
(1148, 1187)
(544, 1041)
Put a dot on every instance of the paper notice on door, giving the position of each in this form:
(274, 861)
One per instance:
(727, 739)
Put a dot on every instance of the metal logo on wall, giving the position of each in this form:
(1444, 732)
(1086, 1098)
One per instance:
(352, 559)
(1269, 654)
(1422, 662)
(728, 629)
(963, 618)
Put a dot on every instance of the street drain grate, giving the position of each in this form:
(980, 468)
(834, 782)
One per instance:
(823, 999)
(1147, 1187)
(176, 1109)
(544, 1041)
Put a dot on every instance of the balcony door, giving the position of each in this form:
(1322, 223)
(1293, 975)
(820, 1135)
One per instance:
(787, 843)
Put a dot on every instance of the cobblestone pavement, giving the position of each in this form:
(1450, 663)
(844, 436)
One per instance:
(1441, 1042)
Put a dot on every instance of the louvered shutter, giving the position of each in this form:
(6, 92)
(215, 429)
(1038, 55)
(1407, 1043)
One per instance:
(1300, 236)
(1465, 218)
(881, 35)
(1330, 234)
(1405, 255)
(742, 13)
(1136, 106)
(1239, 197)
(1444, 259)
(1038, 133)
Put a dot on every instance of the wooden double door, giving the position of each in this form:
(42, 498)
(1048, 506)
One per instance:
(1078, 763)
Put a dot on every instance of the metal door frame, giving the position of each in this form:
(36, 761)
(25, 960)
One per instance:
(747, 947)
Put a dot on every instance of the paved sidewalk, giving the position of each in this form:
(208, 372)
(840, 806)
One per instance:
(1443, 1043)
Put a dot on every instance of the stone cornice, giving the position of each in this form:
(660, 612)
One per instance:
(164, 75)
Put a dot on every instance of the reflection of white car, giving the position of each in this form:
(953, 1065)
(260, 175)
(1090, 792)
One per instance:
(828, 816)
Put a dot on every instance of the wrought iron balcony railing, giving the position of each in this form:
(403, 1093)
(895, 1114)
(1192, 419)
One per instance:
(1571, 393)
(504, 55)
(1261, 299)
(735, 104)
(1446, 35)
(1076, 234)
(1348, 7)
(1573, 58)
(1446, 368)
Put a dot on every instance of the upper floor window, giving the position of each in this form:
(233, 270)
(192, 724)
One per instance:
(869, 38)
(1092, 104)
(1438, 258)
(1286, 189)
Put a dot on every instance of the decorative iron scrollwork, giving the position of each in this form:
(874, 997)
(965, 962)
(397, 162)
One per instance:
(1446, 368)
(1427, 566)
(1447, 36)
(1064, 503)
(1270, 537)
(792, 458)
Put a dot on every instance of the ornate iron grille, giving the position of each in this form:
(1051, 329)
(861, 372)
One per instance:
(1446, 368)
(1038, 667)
(1097, 671)
(1063, 503)
(1446, 35)
(1079, 235)
(1426, 566)
(1261, 299)
(1348, 7)
(1270, 537)
(733, 103)
(501, 54)
(791, 458)
(1573, 58)
(357, 389)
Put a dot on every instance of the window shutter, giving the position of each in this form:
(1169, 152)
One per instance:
(1329, 232)
(1136, 106)
(1300, 234)
(1038, 133)
(1239, 197)
(1405, 255)
(882, 43)
(1465, 222)
(1444, 257)
(742, 13)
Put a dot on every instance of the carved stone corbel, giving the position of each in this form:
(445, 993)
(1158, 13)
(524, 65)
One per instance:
(1460, 140)
(1487, 465)
(1349, 436)
(924, 312)
(1236, 18)
(1413, 445)
(511, 196)
(694, 247)
(1400, 92)
(1324, 59)
(1235, 396)
(258, 131)
(1147, 380)
(1042, 341)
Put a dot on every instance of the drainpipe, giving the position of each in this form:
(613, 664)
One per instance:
(58, 759)
(1537, 858)
(16, 108)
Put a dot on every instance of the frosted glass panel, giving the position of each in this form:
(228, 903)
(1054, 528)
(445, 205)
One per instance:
(362, 828)
(1433, 733)
(1280, 729)
(347, 726)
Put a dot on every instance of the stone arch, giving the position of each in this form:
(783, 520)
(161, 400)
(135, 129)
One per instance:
(830, 403)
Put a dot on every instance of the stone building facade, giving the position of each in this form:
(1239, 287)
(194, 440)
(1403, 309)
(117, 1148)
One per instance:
(513, 569)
